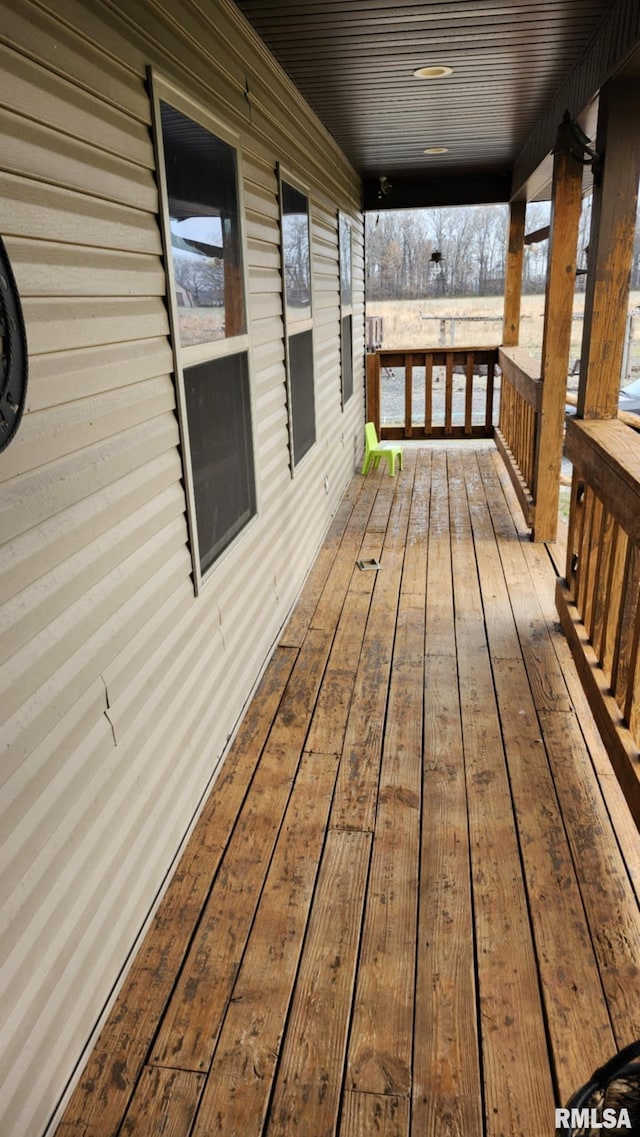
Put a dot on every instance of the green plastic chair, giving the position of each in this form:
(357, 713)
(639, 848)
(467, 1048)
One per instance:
(375, 450)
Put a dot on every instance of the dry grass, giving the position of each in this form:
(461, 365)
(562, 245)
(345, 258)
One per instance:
(406, 327)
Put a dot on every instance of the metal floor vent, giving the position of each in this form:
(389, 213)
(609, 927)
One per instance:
(370, 563)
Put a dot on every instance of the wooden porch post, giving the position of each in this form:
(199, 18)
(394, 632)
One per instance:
(373, 389)
(556, 339)
(610, 249)
(513, 275)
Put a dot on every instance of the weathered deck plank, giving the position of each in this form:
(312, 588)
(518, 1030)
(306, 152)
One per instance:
(408, 906)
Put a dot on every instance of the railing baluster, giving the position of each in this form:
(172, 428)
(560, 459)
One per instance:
(601, 591)
(593, 556)
(630, 702)
(448, 396)
(622, 653)
(408, 395)
(488, 415)
(468, 395)
(583, 551)
(616, 581)
(428, 392)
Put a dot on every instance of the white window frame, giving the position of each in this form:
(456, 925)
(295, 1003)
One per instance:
(299, 326)
(345, 309)
(163, 90)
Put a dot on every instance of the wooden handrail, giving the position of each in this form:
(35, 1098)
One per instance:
(599, 604)
(606, 455)
(516, 365)
(517, 431)
(462, 360)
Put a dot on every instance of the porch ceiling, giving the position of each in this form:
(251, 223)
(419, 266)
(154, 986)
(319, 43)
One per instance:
(514, 63)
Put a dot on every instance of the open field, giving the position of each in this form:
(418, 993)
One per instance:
(458, 321)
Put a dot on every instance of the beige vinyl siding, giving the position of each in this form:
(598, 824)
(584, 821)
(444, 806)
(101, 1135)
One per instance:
(119, 687)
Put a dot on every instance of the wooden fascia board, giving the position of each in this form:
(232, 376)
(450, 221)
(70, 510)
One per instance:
(615, 40)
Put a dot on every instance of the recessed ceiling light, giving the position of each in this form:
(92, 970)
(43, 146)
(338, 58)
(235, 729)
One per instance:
(436, 150)
(433, 71)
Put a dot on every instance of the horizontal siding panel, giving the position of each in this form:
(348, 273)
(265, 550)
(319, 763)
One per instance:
(263, 255)
(31, 793)
(267, 306)
(179, 610)
(72, 631)
(262, 332)
(53, 214)
(26, 728)
(48, 269)
(39, 152)
(197, 44)
(175, 666)
(261, 228)
(265, 354)
(38, 94)
(257, 200)
(32, 821)
(69, 375)
(42, 602)
(54, 433)
(42, 548)
(265, 280)
(34, 497)
(57, 324)
(76, 58)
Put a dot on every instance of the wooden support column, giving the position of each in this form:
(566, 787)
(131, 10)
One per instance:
(556, 339)
(373, 390)
(610, 249)
(513, 275)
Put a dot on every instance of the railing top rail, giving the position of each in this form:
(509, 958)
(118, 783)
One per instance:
(606, 454)
(440, 349)
(517, 366)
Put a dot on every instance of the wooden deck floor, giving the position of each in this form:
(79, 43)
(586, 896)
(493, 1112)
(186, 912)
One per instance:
(410, 905)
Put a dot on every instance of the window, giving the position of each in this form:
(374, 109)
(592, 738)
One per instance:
(296, 275)
(346, 309)
(203, 238)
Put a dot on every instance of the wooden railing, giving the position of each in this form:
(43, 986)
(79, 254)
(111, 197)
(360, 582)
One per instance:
(599, 603)
(517, 431)
(432, 392)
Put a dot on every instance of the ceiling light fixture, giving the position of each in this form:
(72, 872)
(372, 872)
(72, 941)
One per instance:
(433, 71)
(436, 150)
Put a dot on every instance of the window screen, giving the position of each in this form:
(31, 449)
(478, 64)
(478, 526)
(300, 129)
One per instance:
(203, 239)
(219, 419)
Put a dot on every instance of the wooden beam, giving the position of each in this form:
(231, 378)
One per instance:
(556, 339)
(613, 227)
(617, 37)
(537, 235)
(513, 281)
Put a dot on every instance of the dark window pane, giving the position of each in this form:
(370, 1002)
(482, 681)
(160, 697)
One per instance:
(205, 230)
(296, 253)
(303, 411)
(346, 347)
(219, 419)
(345, 262)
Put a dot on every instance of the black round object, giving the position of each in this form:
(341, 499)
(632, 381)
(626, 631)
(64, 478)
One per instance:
(13, 353)
(613, 1087)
